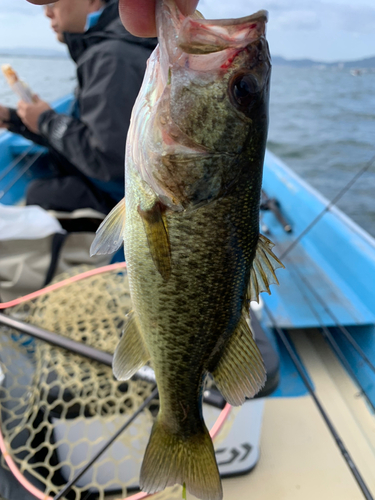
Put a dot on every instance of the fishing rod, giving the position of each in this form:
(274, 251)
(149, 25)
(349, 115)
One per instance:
(328, 207)
(58, 340)
(341, 327)
(330, 339)
(15, 162)
(300, 368)
(27, 167)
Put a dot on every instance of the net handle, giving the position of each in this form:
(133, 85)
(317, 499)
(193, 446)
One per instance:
(9, 460)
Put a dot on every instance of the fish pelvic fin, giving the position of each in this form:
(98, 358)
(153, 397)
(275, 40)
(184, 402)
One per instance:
(172, 458)
(262, 273)
(240, 372)
(157, 238)
(131, 352)
(110, 234)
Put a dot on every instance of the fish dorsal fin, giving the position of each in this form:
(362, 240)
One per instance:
(131, 352)
(262, 273)
(157, 238)
(240, 372)
(110, 234)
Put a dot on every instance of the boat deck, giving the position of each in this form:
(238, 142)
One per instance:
(299, 458)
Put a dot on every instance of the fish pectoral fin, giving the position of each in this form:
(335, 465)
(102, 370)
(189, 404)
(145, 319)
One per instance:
(262, 273)
(110, 234)
(157, 238)
(131, 352)
(240, 372)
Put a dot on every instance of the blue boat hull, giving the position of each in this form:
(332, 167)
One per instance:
(11, 148)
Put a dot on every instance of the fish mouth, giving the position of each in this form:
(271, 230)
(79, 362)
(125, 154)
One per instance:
(203, 45)
(206, 36)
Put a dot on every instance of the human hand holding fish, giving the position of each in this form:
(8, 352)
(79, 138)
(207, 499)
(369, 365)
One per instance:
(138, 16)
(195, 258)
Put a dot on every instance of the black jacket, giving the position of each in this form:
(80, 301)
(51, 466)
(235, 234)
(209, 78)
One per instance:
(110, 68)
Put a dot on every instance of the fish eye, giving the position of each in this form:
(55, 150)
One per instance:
(243, 88)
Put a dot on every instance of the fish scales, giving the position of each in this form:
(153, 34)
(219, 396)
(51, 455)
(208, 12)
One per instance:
(187, 318)
(194, 160)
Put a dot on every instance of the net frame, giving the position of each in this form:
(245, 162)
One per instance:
(56, 286)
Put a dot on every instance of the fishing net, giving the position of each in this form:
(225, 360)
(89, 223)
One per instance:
(58, 408)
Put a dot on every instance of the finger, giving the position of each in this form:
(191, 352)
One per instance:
(36, 98)
(138, 16)
(4, 114)
(187, 7)
(21, 109)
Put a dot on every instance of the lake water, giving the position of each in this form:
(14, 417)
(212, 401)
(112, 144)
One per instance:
(322, 124)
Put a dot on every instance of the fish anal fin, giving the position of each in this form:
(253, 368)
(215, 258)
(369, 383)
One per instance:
(240, 372)
(171, 458)
(262, 273)
(110, 234)
(131, 352)
(157, 238)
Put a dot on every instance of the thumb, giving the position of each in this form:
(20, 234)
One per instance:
(36, 98)
(187, 7)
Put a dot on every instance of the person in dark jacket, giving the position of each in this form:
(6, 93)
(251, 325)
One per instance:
(87, 147)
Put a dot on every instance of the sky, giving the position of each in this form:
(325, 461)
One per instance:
(322, 30)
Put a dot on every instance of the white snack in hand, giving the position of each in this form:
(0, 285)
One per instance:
(18, 86)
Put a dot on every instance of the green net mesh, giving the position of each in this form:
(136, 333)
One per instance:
(59, 408)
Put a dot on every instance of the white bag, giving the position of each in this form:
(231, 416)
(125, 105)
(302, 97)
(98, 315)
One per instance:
(34, 248)
(27, 223)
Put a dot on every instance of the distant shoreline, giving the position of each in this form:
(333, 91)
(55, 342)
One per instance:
(21, 56)
(367, 63)
(35, 53)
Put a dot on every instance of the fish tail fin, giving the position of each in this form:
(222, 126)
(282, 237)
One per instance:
(172, 458)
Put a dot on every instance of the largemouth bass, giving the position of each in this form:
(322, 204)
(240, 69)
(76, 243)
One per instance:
(195, 258)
